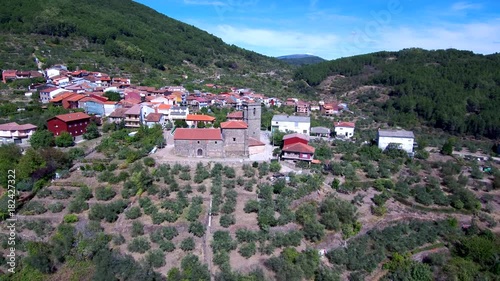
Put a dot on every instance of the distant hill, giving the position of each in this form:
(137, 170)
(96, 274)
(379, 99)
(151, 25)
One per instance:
(457, 91)
(301, 59)
(117, 35)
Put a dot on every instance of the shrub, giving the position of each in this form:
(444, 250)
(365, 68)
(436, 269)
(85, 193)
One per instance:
(275, 167)
(252, 206)
(247, 250)
(133, 213)
(155, 258)
(61, 194)
(187, 244)
(202, 188)
(139, 245)
(56, 207)
(104, 193)
(137, 229)
(149, 161)
(78, 205)
(70, 218)
(118, 240)
(34, 208)
(227, 220)
(167, 246)
(197, 229)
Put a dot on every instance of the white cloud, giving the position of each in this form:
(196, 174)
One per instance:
(277, 42)
(461, 6)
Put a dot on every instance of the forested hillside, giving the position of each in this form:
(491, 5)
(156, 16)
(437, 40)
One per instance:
(458, 91)
(121, 36)
(299, 60)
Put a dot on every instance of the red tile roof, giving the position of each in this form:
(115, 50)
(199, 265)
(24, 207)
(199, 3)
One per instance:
(300, 148)
(236, 115)
(13, 126)
(154, 117)
(62, 96)
(119, 112)
(234, 125)
(72, 116)
(296, 135)
(344, 124)
(255, 142)
(200, 117)
(197, 134)
(164, 106)
(76, 97)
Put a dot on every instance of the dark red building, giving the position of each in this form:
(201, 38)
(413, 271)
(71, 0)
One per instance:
(73, 123)
(295, 138)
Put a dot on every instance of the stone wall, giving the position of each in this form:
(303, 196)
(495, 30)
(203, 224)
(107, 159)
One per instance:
(201, 148)
(235, 142)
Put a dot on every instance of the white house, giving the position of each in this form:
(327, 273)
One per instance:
(344, 130)
(396, 138)
(52, 72)
(15, 133)
(178, 112)
(110, 106)
(297, 124)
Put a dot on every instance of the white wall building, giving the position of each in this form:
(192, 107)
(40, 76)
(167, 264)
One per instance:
(344, 130)
(15, 133)
(297, 124)
(399, 138)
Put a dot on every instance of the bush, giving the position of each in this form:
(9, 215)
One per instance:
(104, 193)
(197, 229)
(133, 213)
(33, 208)
(70, 218)
(56, 207)
(155, 258)
(187, 244)
(118, 240)
(149, 161)
(64, 140)
(167, 246)
(78, 205)
(252, 206)
(247, 250)
(275, 167)
(227, 220)
(139, 245)
(137, 229)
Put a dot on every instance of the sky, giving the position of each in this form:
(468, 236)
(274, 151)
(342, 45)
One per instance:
(334, 29)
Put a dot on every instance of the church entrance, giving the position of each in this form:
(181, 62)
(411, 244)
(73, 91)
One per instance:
(199, 152)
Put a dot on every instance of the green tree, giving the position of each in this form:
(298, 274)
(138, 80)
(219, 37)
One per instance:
(64, 140)
(92, 132)
(112, 96)
(447, 148)
(41, 139)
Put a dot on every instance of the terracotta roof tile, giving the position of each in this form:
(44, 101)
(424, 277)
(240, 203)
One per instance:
(154, 117)
(72, 116)
(344, 124)
(255, 142)
(234, 125)
(299, 147)
(296, 135)
(13, 126)
(197, 134)
(119, 112)
(236, 114)
(200, 117)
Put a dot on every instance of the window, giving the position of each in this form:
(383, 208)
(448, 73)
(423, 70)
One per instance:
(304, 131)
(254, 111)
(215, 142)
(276, 122)
(234, 139)
(198, 141)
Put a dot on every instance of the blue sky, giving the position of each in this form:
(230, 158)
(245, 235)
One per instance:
(333, 29)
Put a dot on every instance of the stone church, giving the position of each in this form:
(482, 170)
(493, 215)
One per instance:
(232, 139)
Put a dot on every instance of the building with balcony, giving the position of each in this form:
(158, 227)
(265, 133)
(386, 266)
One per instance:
(15, 133)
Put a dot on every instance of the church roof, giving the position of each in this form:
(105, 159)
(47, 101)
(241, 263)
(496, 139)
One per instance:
(234, 125)
(197, 134)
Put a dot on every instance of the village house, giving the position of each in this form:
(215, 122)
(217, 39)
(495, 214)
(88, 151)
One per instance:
(399, 139)
(193, 119)
(154, 119)
(178, 113)
(344, 130)
(118, 115)
(73, 123)
(15, 133)
(298, 151)
(287, 123)
(330, 109)
(320, 132)
(295, 138)
(315, 107)
(48, 93)
(235, 116)
(302, 108)
(136, 115)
